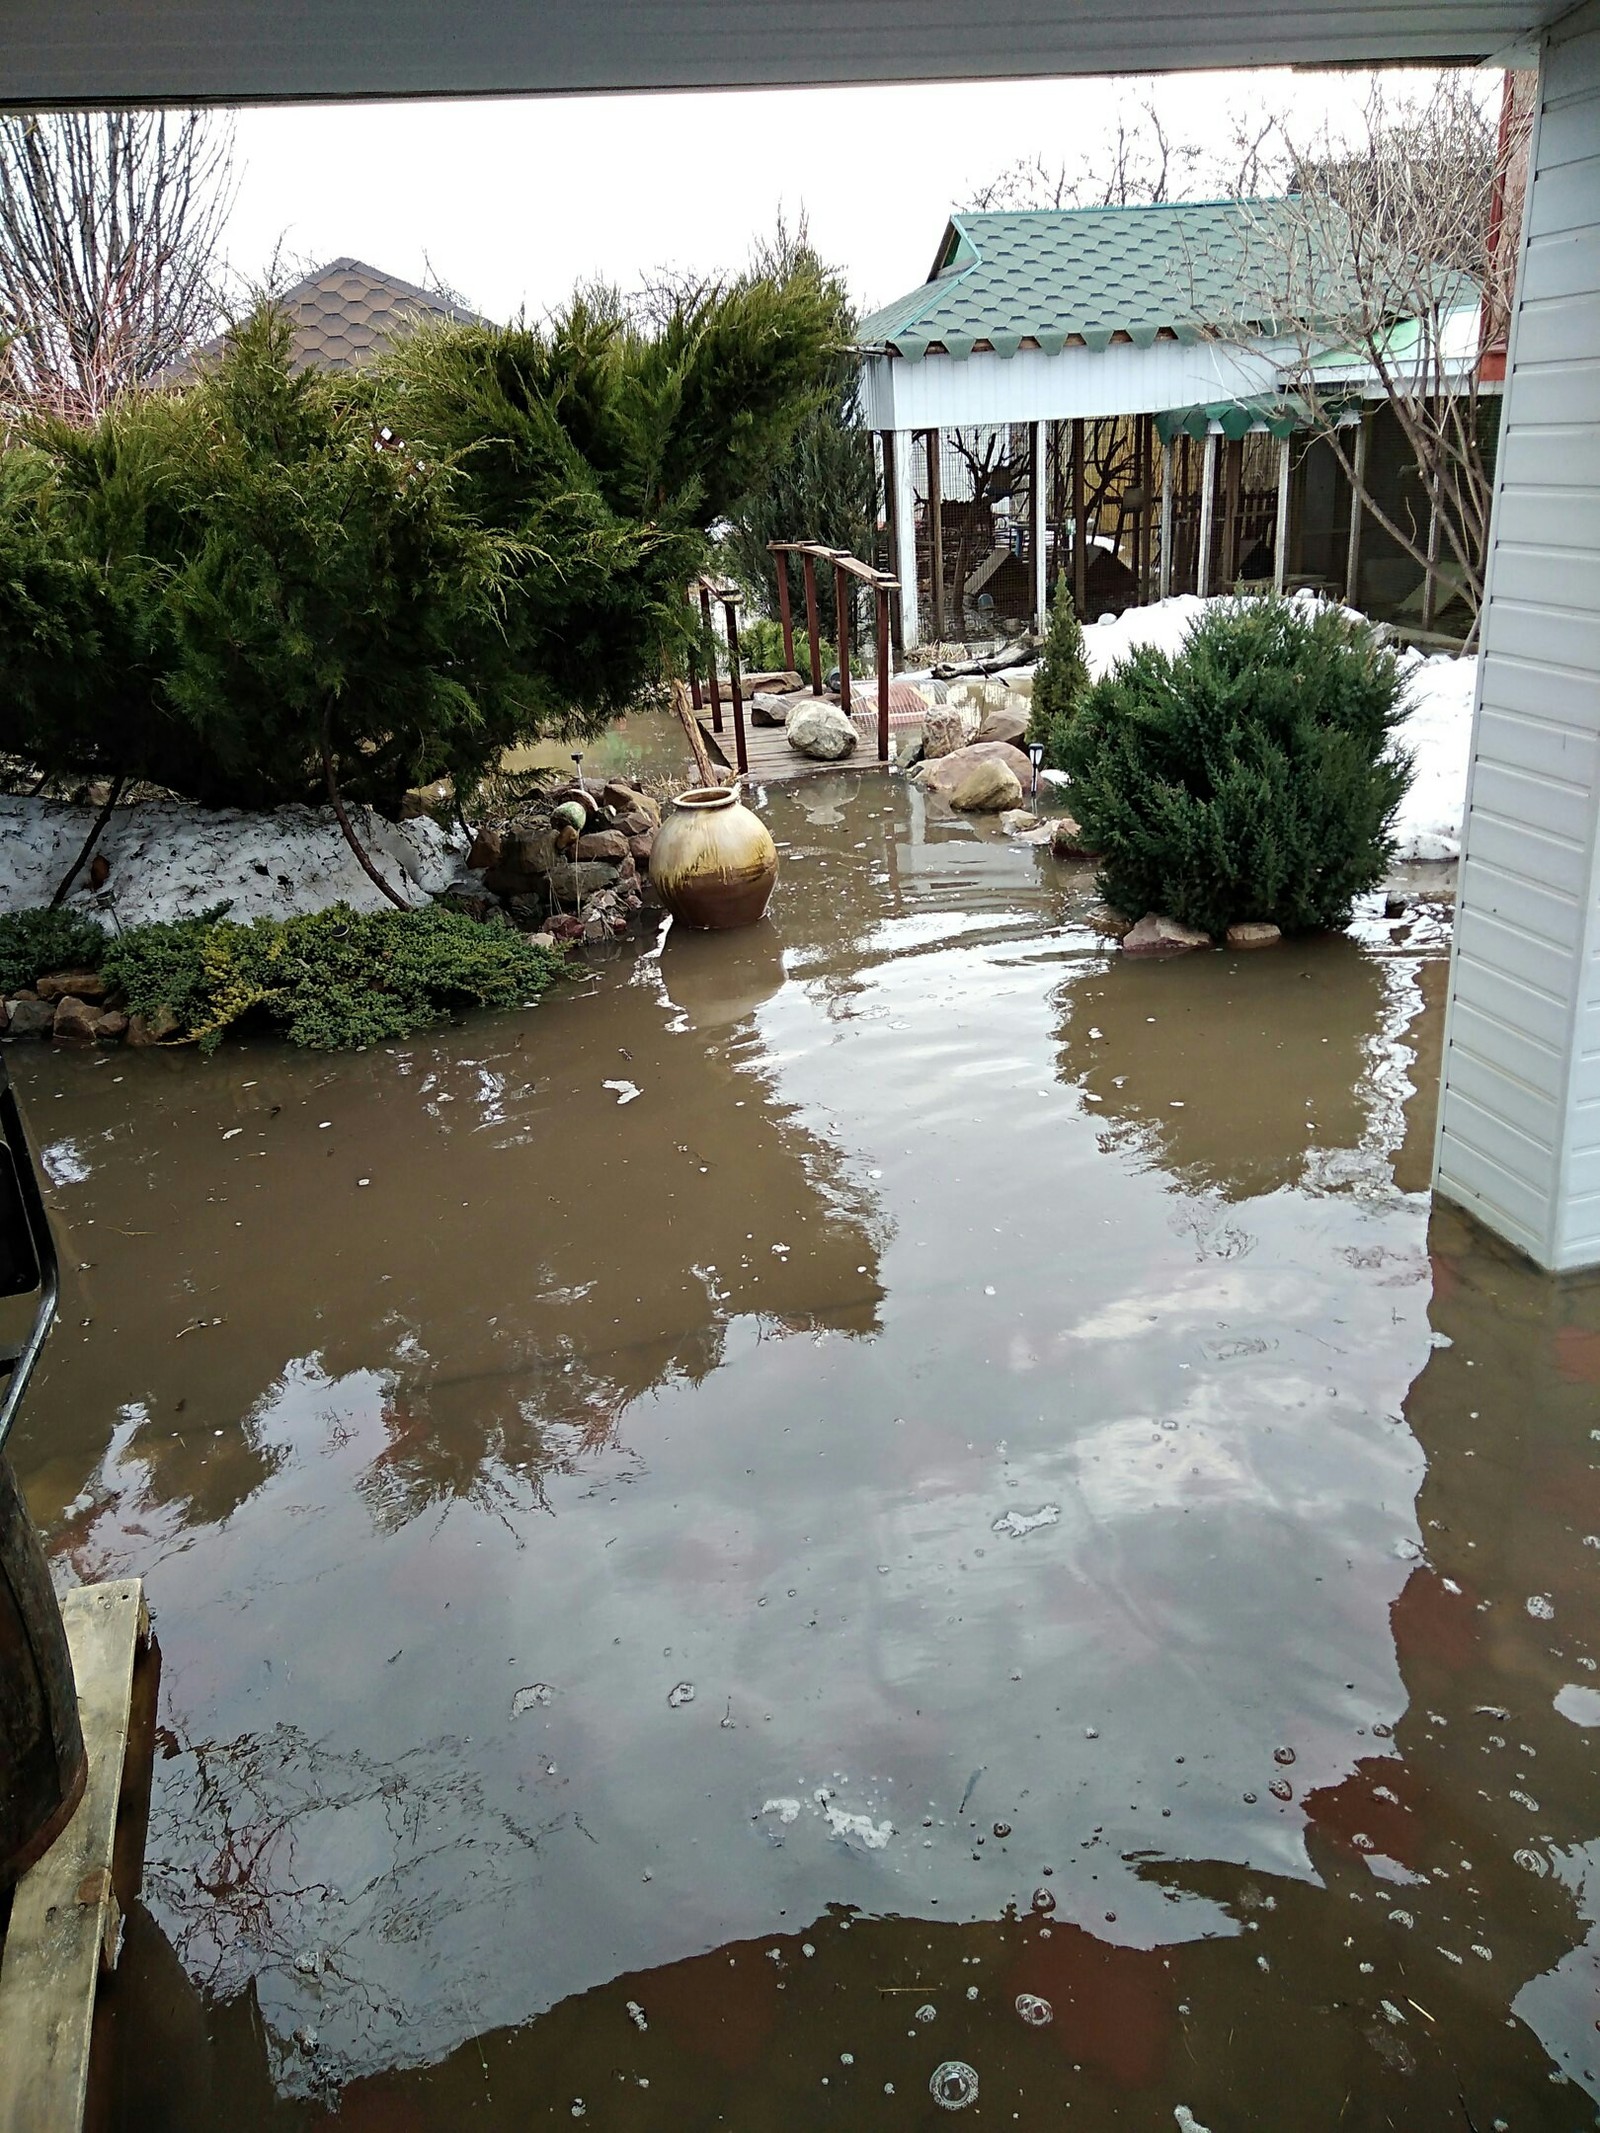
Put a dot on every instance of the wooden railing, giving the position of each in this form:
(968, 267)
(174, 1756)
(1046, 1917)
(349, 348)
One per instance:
(844, 568)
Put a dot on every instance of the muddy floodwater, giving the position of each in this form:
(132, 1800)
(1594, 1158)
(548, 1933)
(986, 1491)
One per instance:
(890, 1516)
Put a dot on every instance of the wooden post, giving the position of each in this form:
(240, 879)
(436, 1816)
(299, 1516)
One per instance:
(711, 659)
(808, 566)
(1141, 518)
(1164, 582)
(1280, 532)
(1080, 534)
(1037, 532)
(1208, 505)
(784, 615)
(841, 600)
(885, 656)
(1232, 482)
(936, 534)
(1352, 554)
(730, 611)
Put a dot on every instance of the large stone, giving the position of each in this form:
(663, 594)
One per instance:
(1018, 821)
(485, 850)
(942, 733)
(29, 1018)
(1116, 924)
(1253, 933)
(1155, 935)
(153, 1028)
(73, 984)
(608, 844)
(986, 789)
(113, 1025)
(822, 732)
(526, 856)
(1004, 725)
(945, 773)
(772, 681)
(768, 710)
(625, 801)
(640, 847)
(1066, 839)
(569, 884)
(77, 1021)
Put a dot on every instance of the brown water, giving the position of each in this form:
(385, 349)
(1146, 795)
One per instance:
(1121, 1554)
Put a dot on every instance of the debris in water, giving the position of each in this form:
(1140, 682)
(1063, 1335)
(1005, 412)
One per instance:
(1541, 1607)
(861, 1828)
(1187, 2122)
(679, 1696)
(927, 2013)
(1283, 1755)
(953, 2085)
(1034, 2011)
(530, 1698)
(626, 1090)
(636, 2015)
(1043, 1900)
(787, 1811)
(1017, 1525)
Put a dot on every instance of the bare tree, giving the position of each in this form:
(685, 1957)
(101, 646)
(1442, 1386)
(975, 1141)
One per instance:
(110, 224)
(1371, 275)
(1137, 163)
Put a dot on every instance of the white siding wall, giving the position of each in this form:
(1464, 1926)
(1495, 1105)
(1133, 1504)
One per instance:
(1519, 1127)
(941, 392)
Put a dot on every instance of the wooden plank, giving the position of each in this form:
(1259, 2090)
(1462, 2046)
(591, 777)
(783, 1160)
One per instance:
(66, 1922)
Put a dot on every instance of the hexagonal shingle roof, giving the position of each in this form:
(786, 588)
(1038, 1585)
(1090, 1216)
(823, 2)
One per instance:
(1083, 275)
(342, 316)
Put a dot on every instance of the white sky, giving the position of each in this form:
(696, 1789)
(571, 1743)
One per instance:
(516, 200)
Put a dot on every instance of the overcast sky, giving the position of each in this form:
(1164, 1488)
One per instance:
(514, 201)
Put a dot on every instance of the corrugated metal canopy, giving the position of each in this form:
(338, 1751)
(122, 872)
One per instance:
(240, 51)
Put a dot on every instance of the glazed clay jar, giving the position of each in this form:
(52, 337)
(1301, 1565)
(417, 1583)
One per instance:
(713, 860)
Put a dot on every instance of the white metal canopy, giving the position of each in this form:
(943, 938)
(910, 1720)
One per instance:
(242, 51)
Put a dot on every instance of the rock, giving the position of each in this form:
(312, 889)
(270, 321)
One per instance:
(76, 1021)
(1017, 821)
(569, 884)
(1394, 907)
(113, 1024)
(945, 773)
(468, 896)
(625, 801)
(772, 681)
(1155, 935)
(29, 1018)
(526, 857)
(1253, 933)
(942, 733)
(71, 984)
(608, 844)
(911, 750)
(1009, 726)
(1102, 919)
(1066, 839)
(565, 927)
(485, 852)
(152, 1028)
(822, 732)
(640, 847)
(767, 710)
(986, 789)
(636, 823)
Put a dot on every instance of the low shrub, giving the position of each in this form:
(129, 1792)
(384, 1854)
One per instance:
(1061, 679)
(329, 979)
(34, 943)
(1253, 775)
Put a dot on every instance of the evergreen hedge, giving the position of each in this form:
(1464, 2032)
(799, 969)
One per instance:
(1253, 775)
(1061, 678)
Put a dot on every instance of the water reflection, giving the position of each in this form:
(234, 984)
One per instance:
(1062, 1511)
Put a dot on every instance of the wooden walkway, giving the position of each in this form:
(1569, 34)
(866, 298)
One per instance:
(66, 1918)
(773, 762)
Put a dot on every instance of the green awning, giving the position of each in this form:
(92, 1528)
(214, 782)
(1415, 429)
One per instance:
(1280, 417)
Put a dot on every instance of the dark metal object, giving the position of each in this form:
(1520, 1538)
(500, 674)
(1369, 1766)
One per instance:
(1036, 758)
(42, 1762)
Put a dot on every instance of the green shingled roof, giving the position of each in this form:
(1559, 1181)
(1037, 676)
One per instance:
(1052, 275)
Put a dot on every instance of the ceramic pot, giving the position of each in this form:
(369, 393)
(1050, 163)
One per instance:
(713, 861)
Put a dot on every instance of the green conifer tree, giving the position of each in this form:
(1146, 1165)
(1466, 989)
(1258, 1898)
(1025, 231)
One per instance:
(1061, 679)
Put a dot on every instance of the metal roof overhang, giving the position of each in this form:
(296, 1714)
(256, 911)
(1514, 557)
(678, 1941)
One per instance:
(252, 51)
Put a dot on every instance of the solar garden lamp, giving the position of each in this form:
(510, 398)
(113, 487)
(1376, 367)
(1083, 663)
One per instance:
(1036, 758)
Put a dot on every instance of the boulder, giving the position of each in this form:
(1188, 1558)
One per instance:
(772, 681)
(945, 773)
(29, 1018)
(607, 844)
(569, 884)
(1102, 919)
(1066, 840)
(1155, 935)
(485, 850)
(113, 1024)
(822, 732)
(152, 1028)
(986, 788)
(1004, 725)
(641, 846)
(526, 856)
(766, 709)
(76, 1021)
(1253, 933)
(73, 984)
(1017, 821)
(625, 801)
(942, 733)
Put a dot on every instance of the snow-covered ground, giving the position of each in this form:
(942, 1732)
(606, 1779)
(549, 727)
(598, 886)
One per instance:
(168, 860)
(1437, 731)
